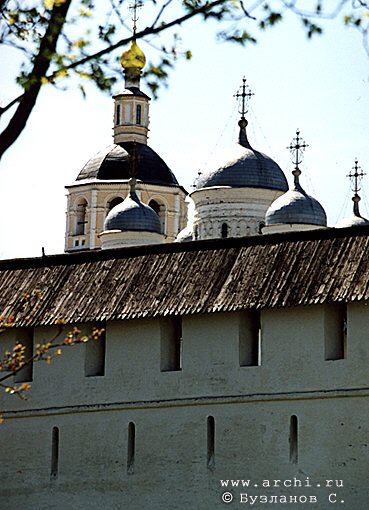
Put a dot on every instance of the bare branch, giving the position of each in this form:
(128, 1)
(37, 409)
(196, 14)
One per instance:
(28, 99)
(204, 9)
(246, 13)
(35, 357)
(164, 6)
(41, 64)
(291, 5)
(117, 12)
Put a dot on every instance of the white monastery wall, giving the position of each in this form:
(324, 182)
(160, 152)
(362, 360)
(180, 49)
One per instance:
(252, 408)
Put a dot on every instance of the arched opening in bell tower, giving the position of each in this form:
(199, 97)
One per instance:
(81, 219)
(113, 202)
(160, 211)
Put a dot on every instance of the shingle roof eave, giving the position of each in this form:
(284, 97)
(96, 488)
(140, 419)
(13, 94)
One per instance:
(196, 277)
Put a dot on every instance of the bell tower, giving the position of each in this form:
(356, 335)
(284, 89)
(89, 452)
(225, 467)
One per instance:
(131, 107)
(102, 183)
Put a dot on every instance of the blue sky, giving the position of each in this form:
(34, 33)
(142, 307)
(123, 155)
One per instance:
(319, 86)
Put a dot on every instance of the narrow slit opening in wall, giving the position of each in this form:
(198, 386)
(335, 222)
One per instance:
(131, 447)
(118, 114)
(138, 114)
(210, 442)
(335, 334)
(95, 350)
(250, 338)
(293, 439)
(171, 344)
(224, 230)
(54, 452)
(25, 337)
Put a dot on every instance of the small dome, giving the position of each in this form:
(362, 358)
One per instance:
(114, 163)
(352, 221)
(296, 207)
(356, 220)
(132, 215)
(249, 169)
(134, 58)
(185, 235)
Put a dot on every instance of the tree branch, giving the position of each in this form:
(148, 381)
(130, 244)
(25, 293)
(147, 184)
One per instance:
(163, 7)
(41, 64)
(28, 98)
(139, 35)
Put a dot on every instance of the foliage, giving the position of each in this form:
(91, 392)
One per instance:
(15, 360)
(64, 39)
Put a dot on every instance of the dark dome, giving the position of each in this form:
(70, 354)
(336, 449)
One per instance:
(251, 169)
(132, 215)
(114, 163)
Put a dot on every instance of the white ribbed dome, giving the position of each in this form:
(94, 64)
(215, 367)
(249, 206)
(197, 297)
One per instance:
(352, 221)
(185, 235)
(356, 220)
(248, 169)
(296, 207)
(132, 215)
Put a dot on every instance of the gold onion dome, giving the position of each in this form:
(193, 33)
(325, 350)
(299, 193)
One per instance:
(134, 58)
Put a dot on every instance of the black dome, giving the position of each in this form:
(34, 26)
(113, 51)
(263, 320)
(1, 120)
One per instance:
(115, 163)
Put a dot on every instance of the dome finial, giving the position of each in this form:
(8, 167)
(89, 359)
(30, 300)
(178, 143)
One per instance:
(133, 60)
(137, 4)
(297, 147)
(132, 185)
(243, 96)
(356, 220)
(356, 178)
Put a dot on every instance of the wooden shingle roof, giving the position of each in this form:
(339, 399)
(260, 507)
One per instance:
(198, 277)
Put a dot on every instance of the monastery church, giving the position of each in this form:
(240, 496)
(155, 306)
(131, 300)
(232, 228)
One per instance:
(233, 367)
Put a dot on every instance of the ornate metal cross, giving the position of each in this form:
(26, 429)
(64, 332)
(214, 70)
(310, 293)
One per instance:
(297, 147)
(137, 4)
(356, 177)
(244, 96)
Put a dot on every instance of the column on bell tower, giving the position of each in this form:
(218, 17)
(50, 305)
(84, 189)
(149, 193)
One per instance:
(131, 107)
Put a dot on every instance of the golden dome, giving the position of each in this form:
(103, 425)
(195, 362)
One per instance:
(134, 58)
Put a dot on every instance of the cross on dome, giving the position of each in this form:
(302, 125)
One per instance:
(137, 4)
(244, 95)
(133, 60)
(134, 160)
(356, 177)
(297, 148)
